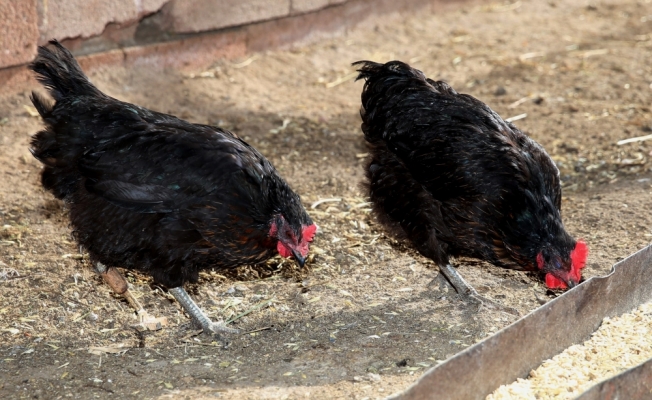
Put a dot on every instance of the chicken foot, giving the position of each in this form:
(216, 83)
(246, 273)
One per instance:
(467, 291)
(197, 315)
(120, 286)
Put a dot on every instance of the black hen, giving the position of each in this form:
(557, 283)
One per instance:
(151, 192)
(456, 179)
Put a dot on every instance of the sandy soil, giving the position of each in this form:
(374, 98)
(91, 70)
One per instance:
(361, 321)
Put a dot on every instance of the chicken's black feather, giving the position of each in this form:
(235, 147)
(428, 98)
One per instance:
(152, 192)
(455, 177)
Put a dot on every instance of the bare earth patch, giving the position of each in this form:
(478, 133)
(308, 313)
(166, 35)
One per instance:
(361, 321)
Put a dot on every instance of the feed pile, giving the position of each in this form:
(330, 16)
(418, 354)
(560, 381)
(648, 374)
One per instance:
(619, 344)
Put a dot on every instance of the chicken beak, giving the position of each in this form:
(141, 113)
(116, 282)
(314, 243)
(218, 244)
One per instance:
(300, 260)
(571, 283)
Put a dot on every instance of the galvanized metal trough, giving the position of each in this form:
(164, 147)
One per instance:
(522, 346)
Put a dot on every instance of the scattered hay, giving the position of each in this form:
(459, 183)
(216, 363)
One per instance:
(7, 273)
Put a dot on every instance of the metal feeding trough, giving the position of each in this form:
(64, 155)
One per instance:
(569, 319)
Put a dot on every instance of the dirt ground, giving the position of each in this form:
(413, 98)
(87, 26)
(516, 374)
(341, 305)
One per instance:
(361, 322)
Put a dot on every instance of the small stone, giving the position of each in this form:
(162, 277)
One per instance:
(374, 377)
(500, 91)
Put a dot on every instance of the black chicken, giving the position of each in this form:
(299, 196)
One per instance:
(453, 177)
(151, 192)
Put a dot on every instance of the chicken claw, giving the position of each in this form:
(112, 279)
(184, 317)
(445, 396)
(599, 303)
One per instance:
(147, 322)
(119, 284)
(468, 293)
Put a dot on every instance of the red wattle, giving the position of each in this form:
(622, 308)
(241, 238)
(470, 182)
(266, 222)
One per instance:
(555, 283)
(282, 250)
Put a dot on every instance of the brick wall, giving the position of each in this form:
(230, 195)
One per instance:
(96, 26)
(18, 31)
(181, 34)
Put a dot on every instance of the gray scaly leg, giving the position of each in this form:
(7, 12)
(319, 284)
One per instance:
(197, 315)
(466, 290)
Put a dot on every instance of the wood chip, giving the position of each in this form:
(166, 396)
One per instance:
(99, 350)
(519, 102)
(634, 139)
(340, 80)
(516, 117)
(596, 52)
(31, 110)
(245, 63)
(322, 201)
(528, 56)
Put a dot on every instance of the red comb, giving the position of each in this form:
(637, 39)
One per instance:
(578, 259)
(309, 232)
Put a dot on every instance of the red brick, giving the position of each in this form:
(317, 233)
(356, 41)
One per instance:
(16, 79)
(64, 19)
(86, 18)
(301, 6)
(186, 16)
(18, 31)
(150, 6)
(194, 53)
(324, 22)
(98, 61)
(200, 51)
